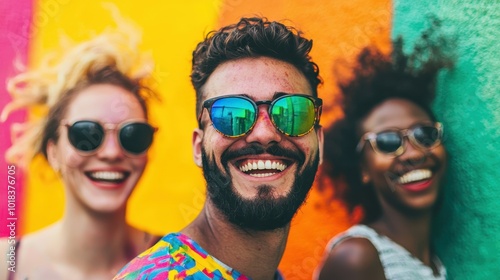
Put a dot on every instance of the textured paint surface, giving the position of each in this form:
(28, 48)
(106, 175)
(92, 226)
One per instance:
(14, 43)
(468, 103)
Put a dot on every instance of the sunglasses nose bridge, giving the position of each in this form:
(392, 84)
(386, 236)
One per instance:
(263, 102)
(110, 146)
(264, 129)
(265, 109)
(109, 126)
(410, 147)
(263, 112)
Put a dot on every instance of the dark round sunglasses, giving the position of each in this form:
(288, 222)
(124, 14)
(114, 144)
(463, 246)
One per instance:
(235, 115)
(391, 142)
(87, 136)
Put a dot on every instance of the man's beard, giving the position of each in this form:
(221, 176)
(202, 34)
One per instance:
(264, 212)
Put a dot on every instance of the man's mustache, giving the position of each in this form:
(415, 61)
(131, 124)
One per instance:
(257, 149)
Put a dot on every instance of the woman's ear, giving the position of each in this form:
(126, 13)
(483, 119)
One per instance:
(365, 175)
(197, 146)
(365, 178)
(52, 156)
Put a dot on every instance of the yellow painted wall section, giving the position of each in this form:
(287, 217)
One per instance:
(172, 189)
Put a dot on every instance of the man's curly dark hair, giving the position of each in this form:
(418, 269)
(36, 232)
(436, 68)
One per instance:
(252, 37)
(377, 78)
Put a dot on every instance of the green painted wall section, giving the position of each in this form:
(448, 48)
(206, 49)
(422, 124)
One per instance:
(467, 228)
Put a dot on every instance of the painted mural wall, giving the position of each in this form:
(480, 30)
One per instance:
(172, 189)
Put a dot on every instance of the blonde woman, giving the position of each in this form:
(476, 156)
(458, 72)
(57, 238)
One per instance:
(96, 136)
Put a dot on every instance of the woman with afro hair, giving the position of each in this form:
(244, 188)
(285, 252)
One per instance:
(386, 157)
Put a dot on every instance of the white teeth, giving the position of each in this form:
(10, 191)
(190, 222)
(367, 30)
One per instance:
(415, 175)
(260, 175)
(268, 164)
(107, 175)
(263, 165)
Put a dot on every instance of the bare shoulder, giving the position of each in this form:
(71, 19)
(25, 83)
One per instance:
(34, 251)
(6, 243)
(353, 258)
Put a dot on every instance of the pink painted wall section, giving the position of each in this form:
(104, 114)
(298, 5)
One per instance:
(14, 44)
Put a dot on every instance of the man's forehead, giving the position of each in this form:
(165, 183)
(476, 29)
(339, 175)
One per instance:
(276, 95)
(257, 77)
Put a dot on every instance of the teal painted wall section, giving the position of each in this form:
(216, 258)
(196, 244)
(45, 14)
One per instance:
(467, 229)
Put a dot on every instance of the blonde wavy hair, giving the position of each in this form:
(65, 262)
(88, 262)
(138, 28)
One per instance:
(111, 57)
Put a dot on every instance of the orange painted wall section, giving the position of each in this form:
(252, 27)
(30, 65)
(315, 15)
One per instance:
(172, 190)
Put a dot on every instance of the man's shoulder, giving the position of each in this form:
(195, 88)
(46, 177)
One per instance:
(160, 257)
(176, 256)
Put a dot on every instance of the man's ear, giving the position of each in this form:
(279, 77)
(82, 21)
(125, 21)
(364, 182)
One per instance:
(52, 156)
(197, 142)
(320, 135)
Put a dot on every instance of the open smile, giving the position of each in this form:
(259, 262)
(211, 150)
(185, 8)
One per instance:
(262, 168)
(415, 176)
(416, 180)
(114, 177)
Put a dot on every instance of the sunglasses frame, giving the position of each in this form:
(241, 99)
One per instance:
(317, 103)
(371, 137)
(106, 127)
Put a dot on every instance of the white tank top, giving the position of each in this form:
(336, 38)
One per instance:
(398, 263)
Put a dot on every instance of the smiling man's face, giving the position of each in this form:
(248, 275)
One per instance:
(258, 180)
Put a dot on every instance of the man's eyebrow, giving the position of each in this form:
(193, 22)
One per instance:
(276, 94)
(279, 94)
(245, 95)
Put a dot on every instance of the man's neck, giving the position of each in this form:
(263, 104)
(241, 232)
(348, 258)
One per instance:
(255, 254)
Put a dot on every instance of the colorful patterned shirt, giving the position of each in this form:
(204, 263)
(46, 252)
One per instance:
(177, 256)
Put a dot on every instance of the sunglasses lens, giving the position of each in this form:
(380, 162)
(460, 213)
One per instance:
(85, 136)
(389, 141)
(232, 116)
(136, 138)
(293, 115)
(426, 136)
